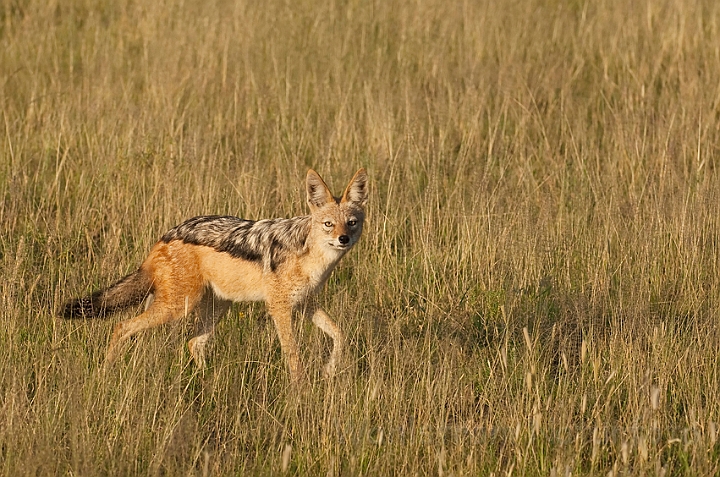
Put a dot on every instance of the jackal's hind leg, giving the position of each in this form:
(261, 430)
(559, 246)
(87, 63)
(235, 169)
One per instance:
(157, 313)
(210, 311)
(325, 323)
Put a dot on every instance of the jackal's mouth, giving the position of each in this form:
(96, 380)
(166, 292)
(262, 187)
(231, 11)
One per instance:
(340, 246)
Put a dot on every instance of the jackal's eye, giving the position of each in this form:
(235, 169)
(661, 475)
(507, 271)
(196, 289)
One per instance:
(352, 222)
(328, 224)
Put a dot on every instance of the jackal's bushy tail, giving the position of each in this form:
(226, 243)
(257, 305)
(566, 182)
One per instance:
(127, 292)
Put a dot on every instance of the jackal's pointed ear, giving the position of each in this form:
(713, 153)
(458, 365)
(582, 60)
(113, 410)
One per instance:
(318, 193)
(356, 191)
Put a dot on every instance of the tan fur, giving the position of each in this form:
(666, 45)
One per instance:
(189, 277)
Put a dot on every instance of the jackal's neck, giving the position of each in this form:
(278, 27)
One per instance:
(320, 259)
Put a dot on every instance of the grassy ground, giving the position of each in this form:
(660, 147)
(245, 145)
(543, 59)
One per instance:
(537, 288)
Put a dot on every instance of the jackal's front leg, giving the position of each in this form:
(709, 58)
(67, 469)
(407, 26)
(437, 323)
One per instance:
(281, 314)
(323, 321)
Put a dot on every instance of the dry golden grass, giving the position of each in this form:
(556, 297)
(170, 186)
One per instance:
(536, 291)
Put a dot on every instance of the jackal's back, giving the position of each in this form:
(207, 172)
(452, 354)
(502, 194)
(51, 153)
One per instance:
(267, 241)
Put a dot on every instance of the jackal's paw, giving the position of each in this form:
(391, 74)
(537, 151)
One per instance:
(197, 350)
(329, 370)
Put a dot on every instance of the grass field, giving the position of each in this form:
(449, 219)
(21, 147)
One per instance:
(537, 289)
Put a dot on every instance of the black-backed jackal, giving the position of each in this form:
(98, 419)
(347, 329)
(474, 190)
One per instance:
(208, 262)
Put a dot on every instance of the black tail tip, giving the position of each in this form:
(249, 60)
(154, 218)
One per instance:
(80, 308)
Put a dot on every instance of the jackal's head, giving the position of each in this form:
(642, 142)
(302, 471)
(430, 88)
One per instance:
(337, 221)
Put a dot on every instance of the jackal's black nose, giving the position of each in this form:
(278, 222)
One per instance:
(344, 239)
